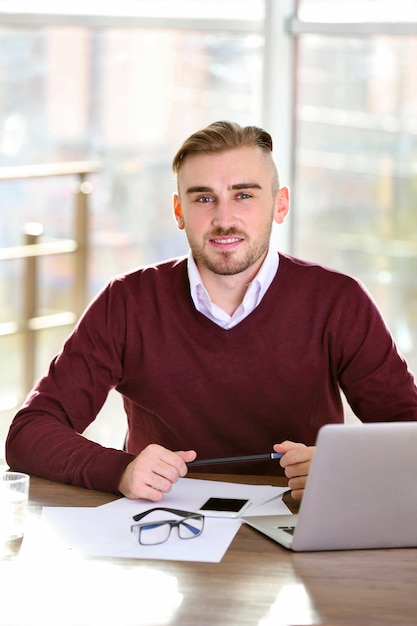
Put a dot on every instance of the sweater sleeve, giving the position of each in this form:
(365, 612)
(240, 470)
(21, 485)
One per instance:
(44, 437)
(372, 373)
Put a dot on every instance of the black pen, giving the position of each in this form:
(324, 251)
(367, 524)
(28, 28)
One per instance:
(238, 459)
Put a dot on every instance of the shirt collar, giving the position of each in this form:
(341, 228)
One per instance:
(253, 296)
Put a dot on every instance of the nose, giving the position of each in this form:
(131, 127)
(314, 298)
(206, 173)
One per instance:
(224, 215)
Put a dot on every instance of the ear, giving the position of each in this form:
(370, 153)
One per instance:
(178, 212)
(282, 205)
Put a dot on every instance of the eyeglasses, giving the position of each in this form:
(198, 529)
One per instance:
(158, 531)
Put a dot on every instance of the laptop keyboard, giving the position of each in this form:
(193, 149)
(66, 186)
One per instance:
(287, 529)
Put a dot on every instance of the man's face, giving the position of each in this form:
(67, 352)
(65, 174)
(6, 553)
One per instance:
(226, 206)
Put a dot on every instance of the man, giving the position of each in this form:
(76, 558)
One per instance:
(234, 350)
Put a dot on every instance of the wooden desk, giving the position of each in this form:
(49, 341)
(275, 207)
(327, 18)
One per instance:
(257, 583)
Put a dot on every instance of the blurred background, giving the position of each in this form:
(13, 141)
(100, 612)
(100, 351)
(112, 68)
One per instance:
(95, 99)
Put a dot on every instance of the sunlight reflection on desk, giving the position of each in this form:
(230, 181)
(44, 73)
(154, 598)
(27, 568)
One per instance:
(292, 606)
(89, 593)
(50, 585)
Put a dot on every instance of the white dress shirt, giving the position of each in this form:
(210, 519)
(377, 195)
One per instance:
(254, 293)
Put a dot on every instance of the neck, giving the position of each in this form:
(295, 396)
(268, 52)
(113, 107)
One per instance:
(228, 291)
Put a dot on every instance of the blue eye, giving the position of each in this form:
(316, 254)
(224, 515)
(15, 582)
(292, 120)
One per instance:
(204, 199)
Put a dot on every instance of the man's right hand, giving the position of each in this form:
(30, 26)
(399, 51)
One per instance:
(153, 472)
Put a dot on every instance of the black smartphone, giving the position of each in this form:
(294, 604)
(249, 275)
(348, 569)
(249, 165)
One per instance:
(224, 507)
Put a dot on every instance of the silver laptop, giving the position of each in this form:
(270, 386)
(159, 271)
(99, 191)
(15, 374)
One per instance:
(361, 492)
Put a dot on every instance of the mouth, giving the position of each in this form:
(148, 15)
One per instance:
(225, 241)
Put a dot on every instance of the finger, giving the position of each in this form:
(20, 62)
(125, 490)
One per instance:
(171, 467)
(298, 482)
(297, 469)
(163, 475)
(176, 464)
(156, 459)
(299, 455)
(148, 482)
(297, 494)
(186, 457)
(289, 445)
(297, 486)
(164, 485)
(150, 493)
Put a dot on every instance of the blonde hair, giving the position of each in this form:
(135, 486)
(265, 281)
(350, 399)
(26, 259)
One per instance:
(223, 135)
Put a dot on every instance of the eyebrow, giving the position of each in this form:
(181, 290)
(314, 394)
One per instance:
(237, 186)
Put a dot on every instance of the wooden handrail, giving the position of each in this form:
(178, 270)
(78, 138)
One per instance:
(44, 170)
(32, 249)
(56, 246)
(41, 322)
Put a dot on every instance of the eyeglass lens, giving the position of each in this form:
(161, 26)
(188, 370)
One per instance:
(158, 532)
(150, 534)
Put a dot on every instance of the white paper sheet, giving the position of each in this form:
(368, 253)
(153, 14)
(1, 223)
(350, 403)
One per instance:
(190, 494)
(104, 531)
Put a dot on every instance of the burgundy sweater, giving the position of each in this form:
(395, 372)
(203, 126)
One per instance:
(189, 384)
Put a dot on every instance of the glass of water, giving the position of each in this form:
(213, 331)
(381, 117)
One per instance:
(14, 492)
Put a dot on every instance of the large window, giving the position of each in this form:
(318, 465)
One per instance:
(120, 84)
(356, 150)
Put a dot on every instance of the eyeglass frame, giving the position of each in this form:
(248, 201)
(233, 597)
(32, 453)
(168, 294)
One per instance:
(186, 515)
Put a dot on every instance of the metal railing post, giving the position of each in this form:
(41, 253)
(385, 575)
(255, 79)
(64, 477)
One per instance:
(82, 239)
(32, 231)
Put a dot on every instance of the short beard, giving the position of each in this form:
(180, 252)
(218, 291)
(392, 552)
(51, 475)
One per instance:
(225, 264)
